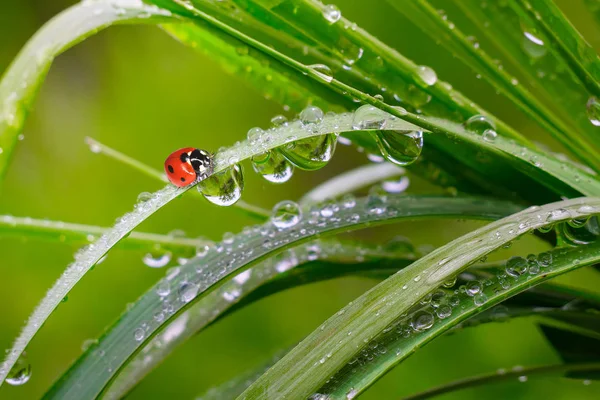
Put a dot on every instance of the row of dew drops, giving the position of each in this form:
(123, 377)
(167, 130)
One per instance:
(449, 300)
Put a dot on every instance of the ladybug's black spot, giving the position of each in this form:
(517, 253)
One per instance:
(170, 168)
(182, 179)
(184, 157)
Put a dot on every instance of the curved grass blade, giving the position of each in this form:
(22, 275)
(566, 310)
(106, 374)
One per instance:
(350, 181)
(228, 158)
(404, 337)
(343, 336)
(24, 76)
(576, 52)
(78, 233)
(309, 263)
(473, 56)
(191, 282)
(97, 147)
(503, 376)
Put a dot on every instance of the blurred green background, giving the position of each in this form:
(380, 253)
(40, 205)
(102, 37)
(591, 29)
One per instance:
(137, 90)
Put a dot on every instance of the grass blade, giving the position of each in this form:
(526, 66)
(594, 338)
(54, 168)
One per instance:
(343, 336)
(192, 281)
(86, 259)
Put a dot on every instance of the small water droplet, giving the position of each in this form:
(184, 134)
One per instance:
(369, 117)
(593, 111)
(188, 291)
(516, 266)
(323, 72)
(139, 334)
(427, 75)
(311, 115)
(332, 13)
(479, 124)
(422, 320)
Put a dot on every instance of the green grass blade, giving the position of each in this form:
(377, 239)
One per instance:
(66, 232)
(187, 285)
(351, 181)
(576, 52)
(402, 341)
(223, 160)
(22, 79)
(309, 263)
(439, 28)
(344, 335)
(503, 376)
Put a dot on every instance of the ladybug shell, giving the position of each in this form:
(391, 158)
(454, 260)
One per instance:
(178, 167)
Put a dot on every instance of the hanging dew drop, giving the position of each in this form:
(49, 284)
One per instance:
(400, 147)
(312, 153)
(369, 117)
(593, 111)
(286, 214)
(157, 259)
(427, 75)
(323, 72)
(332, 13)
(20, 373)
(224, 188)
(273, 166)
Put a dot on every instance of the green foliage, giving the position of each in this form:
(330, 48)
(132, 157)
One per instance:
(347, 86)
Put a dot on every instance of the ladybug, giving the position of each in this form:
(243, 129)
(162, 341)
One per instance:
(186, 165)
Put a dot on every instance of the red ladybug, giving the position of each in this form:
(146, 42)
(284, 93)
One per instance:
(186, 165)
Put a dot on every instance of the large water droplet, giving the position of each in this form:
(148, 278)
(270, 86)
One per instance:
(286, 214)
(20, 372)
(422, 320)
(400, 147)
(516, 266)
(332, 13)
(369, 117)
(311, 115)
(311, 153)
(480, 124)
(593, 111)
(224, 188)
(273, 166)
(427, 75)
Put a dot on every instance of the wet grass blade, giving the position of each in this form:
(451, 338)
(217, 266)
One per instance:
(309, 263)
(192, 281)
(437, 25)
(223, 160)
(343, 336)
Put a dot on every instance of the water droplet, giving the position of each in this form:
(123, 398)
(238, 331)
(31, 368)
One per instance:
(254, 135)
(348, 200)
(188, 291)
(533, 45)
(545, 259)
(427, 75)
(323, 72)
(422, 320)
(273, 166)
(20, 372)
(450, 282)
(516, 266)
(480, 299)
(489, 135)
(311, 115)
(444, 311)
(369, 117)
(593, 111)
(286, 214)
(139, 334)
(279, 120)
(523, 378)
(332, 13)
(479, 124)
(224, 188)
(400, 147)
(163, 288)
(311, 153)
(351, 394)
(376, 201)
(473, 288)
(157, 259)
